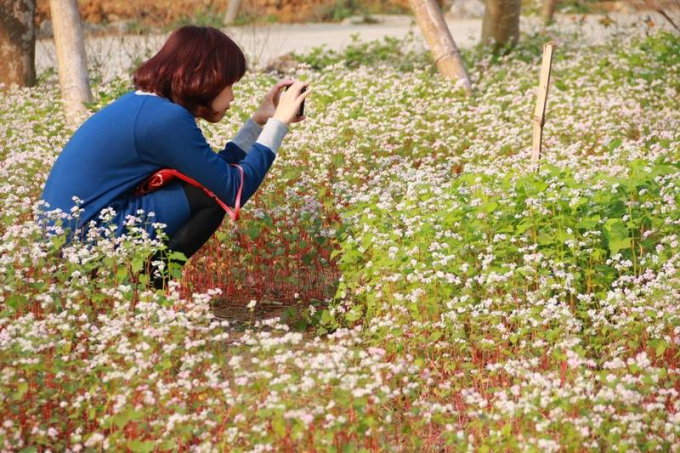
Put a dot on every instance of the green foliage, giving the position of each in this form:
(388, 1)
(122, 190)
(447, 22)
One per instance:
(663, 48)
(394, 52)
(491, 307)
(338, 11)
(203, 16)
(576, 6)
(553, 235)
(343, 9)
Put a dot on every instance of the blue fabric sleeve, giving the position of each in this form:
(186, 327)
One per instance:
(170, 138)
(232, 153)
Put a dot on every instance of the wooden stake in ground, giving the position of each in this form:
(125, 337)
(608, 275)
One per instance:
(71, 61)
(541, 101)
(439, 40)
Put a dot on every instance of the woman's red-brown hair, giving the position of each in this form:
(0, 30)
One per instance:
(193, 67)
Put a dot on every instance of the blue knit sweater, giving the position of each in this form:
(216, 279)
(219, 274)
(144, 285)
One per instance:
(133, 137)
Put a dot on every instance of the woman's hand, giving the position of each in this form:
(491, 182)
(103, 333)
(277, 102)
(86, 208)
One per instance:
(289, 103)
(270, 102)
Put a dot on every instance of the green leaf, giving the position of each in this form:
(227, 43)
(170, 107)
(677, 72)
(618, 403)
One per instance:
(617, 235)
(138, 446)
(615, 245)
(122, 419)
(490, 207)
(22, 388)
(354, 314)
(137, 264)
(308, 258)
(293, 173)
(588, 223)
(58, 241)
(16, 301)
(614, 144)
(279, 426)
(661, 348)
(523, 226)
(177, 256)
(326, 317)
(121, 273)
(253, 231)
(169, 444)
(615, 229)
(436, 335)
(563, 236)
(545, 239)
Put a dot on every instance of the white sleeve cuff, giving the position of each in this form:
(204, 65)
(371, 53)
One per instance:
(272, 134)
(247, 135)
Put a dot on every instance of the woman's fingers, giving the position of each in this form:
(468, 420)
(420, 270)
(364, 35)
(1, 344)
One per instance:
(275, 91)
(303, 96)
(281, 84)
(306, 92)
(290, 101)
(298, 102)
(296, 87)
(294, 92)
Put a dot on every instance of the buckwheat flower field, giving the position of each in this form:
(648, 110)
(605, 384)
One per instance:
(450, 298)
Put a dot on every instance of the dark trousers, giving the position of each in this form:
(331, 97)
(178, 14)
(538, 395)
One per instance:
(206, 217)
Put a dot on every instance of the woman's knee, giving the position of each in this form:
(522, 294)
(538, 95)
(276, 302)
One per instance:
(198, 199)
(197, 231)
(216, 213)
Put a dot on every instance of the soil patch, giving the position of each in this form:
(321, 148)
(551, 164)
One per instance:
(169, 13)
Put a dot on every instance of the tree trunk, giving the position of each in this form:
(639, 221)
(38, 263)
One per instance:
(232, 11)
(438, 37)
(500, 25)
(71, 60)
(17, 42)
(548, 11)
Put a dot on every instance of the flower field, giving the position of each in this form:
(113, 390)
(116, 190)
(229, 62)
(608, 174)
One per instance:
(444, 296)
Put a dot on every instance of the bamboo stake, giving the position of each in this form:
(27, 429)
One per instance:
(541, 101)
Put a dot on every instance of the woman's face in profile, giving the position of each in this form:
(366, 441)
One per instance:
(222, 102)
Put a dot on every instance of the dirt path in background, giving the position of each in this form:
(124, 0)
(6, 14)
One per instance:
(262, 44)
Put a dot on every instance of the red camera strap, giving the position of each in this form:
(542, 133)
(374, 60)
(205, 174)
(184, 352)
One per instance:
(164, 176)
